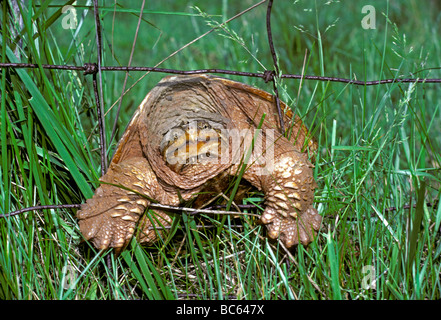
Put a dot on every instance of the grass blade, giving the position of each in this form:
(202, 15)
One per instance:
(334, 268)
(54, 132)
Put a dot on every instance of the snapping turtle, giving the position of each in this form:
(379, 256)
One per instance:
(190, 136)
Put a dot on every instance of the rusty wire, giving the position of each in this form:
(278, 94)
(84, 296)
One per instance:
(99, 98)
(95, 69)
(90, 68)
(273, 74)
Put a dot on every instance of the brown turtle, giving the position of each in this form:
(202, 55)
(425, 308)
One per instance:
(192, 135)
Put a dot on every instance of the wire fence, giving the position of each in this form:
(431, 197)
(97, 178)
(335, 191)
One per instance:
(96, 68)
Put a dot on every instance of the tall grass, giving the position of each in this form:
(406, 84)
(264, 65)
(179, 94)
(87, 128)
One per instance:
(377, 167)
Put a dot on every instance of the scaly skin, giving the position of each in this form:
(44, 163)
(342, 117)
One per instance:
(289, 214)
(160, 158)
(110, 218)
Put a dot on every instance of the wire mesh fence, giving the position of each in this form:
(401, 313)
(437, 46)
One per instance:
(95, 69)
(375, 134)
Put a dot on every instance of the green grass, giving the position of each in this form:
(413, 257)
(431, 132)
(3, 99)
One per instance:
(378, 149)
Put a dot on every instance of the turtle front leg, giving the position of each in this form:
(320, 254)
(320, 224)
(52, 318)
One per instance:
(110, 217)
(289, 193)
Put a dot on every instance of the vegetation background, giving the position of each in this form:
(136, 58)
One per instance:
(378, 167)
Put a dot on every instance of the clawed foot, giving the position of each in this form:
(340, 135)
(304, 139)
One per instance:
(109, 220)
(292, 230)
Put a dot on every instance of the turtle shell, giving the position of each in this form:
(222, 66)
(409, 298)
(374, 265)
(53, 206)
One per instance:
(191, 133)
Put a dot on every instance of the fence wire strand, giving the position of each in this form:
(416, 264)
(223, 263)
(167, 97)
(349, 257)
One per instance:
(274, 73)
(99, 97)
(90, 68)
(95, 69)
